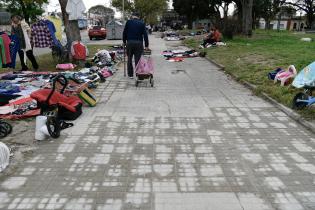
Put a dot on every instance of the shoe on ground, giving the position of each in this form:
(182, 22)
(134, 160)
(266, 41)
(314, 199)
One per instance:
(130, 77)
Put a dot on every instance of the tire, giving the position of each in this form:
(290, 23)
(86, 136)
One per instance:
(53, 126)
(300, 104)
(152, 82)
(7, 126)
(3, 131)
(137, 83)
(91, 38)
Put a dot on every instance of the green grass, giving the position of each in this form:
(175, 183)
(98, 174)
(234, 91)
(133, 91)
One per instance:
(46, 62)
(250, 60)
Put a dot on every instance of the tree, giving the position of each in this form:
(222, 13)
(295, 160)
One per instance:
(196, 9)
(129, 6)
(71, 26)
(247, 17)
(308, 6)
(149, 10)
(29, 9)
(105, 14)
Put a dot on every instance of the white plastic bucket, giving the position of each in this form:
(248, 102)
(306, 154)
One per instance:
(40, 131)
(4, 156)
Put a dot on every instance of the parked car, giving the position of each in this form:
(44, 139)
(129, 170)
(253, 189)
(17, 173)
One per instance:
(97, 32)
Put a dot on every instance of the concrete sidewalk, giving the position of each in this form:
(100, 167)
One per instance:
(198, 141)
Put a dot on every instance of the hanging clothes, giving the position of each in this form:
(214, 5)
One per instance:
(52, 31)
(23, 32)
(2, 51)
(75, 9)
(6, 57)
(14, 48)
(41, 36)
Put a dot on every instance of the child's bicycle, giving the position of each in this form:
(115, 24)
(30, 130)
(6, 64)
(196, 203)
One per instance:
(304, 99)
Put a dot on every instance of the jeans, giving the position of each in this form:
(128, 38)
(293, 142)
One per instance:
(134, 49)
(30, 56)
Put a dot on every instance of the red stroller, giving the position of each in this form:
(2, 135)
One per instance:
(57, 107)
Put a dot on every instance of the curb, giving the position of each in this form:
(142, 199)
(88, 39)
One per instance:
(289, 112)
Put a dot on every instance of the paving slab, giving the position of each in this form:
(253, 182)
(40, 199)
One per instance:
(196, 141)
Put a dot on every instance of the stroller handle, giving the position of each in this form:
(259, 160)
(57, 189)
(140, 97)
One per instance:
(63, 81)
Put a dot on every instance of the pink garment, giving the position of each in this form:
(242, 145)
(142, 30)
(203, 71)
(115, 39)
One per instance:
(66, 66)
(106, 73)
(6, 42)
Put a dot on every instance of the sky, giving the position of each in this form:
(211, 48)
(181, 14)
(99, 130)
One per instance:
(54, 5)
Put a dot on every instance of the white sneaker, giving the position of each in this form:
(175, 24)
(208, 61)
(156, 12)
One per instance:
(130, 77)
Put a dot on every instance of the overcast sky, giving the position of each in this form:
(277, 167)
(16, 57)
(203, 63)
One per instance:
(54, 4)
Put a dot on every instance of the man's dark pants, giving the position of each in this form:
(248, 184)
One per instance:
(134, 49)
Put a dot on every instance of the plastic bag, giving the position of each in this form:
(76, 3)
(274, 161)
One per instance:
(4, 156)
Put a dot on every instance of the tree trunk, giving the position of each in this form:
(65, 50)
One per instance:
(71, 26)
(247, 10)
(279, 21)
(267, 26)
(24, 11)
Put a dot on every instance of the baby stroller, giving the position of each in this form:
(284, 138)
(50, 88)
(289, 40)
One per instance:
(57, 107)
(145, 69)
(306, 80)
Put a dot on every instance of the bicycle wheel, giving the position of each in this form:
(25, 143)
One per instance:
(299, 101)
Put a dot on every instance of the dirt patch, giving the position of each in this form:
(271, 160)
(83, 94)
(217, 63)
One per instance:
(258, 59)
(21, 143)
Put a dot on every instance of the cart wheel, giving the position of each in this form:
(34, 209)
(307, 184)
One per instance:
(297, 104)
(53, 126)
(7, 126)
(152, 82)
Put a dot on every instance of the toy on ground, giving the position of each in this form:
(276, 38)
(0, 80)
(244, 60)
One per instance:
(285, 77)
(306, 80)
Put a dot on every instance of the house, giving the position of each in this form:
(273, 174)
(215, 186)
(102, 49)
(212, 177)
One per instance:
(296, 23)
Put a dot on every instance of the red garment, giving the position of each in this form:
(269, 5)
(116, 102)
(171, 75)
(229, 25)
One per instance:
(216, 36)
(79, 51)
(6, 42)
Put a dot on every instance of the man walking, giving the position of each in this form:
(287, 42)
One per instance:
(133, 36)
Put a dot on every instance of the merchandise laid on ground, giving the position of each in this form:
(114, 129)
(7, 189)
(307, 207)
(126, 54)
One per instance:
(171, 36)
(28, 94)
(179, 55)
(305, 79)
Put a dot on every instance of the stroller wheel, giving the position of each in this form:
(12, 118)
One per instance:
(137, 83)
(3, 131)
(7, 126)
(297, 103)
(53, 126)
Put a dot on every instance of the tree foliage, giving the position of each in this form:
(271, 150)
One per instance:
(149, 10)
(307, 6)
(104, 14)
(29, 9)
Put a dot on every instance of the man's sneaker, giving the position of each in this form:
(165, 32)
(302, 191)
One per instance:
(131, 77)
